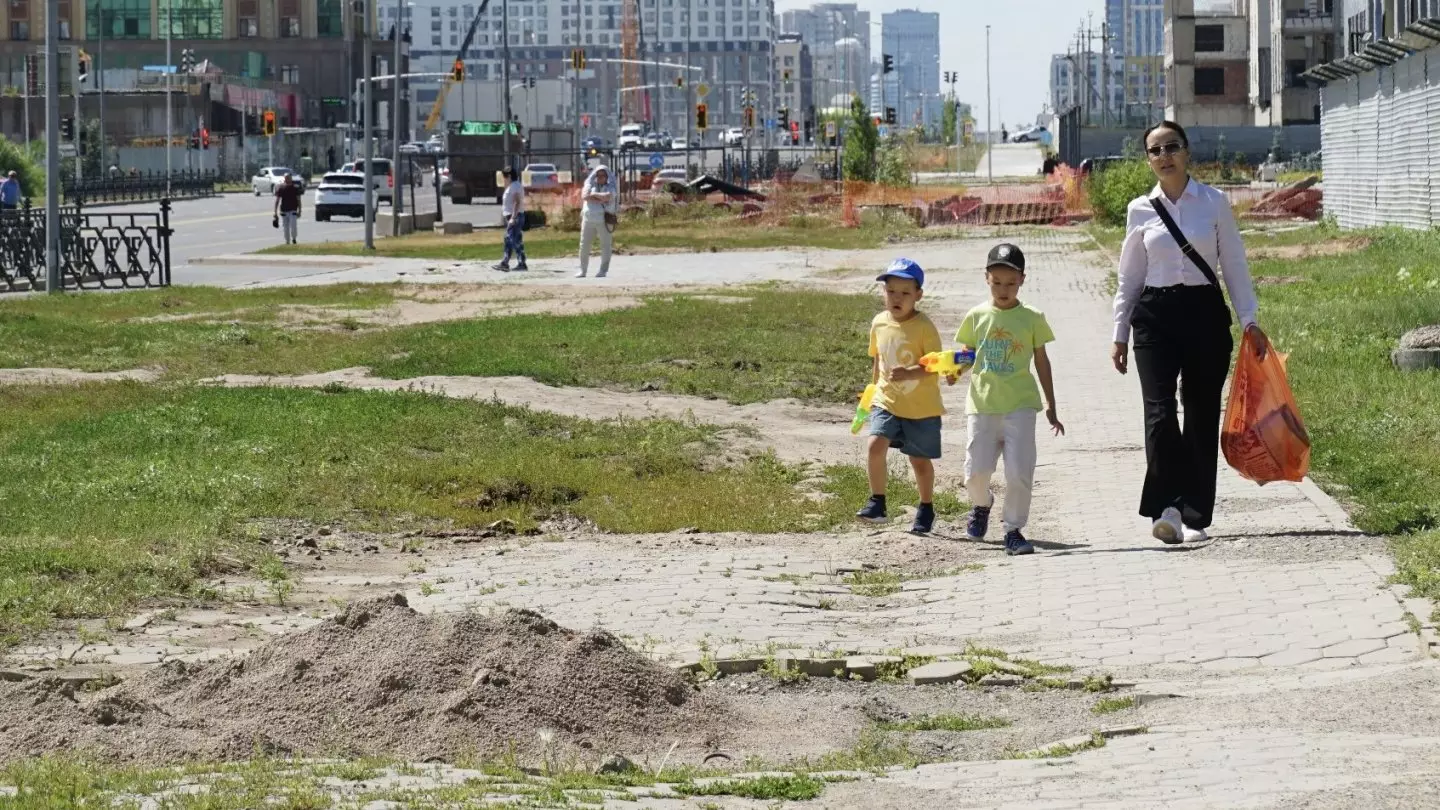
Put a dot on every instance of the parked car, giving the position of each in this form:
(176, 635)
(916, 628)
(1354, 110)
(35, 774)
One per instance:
(1029, 135)
(734, 136)
(673, 180)
(632, 136)
(542, 177)
(1096, 164)
(340, 194)
(270, 178)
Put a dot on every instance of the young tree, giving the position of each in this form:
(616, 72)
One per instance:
(13, 157)
(949, 121)
(861, 139)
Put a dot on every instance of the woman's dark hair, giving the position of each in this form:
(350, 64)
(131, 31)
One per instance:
(1170, 125)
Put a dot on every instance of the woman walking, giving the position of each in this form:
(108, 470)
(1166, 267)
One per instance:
(1176, 238)
(598, 198)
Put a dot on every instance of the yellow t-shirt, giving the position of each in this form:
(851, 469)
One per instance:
(900, 344)
(1004, 341)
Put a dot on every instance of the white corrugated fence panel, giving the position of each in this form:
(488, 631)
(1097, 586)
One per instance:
(1363, 212)
(1340, 156)
(1389, 172)
(1408, 161)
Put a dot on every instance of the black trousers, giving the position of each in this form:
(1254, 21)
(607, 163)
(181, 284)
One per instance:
(1181, 333)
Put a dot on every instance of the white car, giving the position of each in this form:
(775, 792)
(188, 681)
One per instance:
(272, 177)
(381, 178)
(734, 136)
(542, 177)
(340, 193)
(673, 180)
(1030, 135)
(632, 136)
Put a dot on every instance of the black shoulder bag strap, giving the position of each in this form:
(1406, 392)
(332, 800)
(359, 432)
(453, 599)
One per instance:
(1185, 246)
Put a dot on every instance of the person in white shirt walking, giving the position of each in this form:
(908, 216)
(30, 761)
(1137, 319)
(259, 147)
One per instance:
(513, 209)
(598, 199)
(1168, 294)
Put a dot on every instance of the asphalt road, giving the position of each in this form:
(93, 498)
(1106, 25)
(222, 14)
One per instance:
(240, 223)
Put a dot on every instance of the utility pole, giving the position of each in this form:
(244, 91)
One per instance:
(505, 70)
(169, 71)
(100, 83)
(989, 127)
(397, 194)
(367, 72)
(52, 148)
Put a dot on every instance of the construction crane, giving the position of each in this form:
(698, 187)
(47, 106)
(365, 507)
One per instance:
(439, 107)
(631, 104)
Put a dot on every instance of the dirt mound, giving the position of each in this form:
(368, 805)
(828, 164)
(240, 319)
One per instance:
(379, 679)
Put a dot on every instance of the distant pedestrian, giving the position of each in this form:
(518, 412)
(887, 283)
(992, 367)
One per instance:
(10, 192)
(330, 158)
(513, 210)
(598, 201)
(1004, 135)
(1167, 292)
(287, 208)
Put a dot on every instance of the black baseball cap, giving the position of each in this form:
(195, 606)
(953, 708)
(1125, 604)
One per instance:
(1006, 255)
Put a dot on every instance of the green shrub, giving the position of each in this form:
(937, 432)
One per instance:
(1112, 188)
(893, 164)
(32, 176)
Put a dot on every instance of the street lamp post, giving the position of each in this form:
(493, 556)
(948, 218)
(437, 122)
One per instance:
(397, 199)
(52, 146)
(169, 71)
(989, 129)
(368, 133)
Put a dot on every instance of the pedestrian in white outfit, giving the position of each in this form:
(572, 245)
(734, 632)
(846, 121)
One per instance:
(598, 197)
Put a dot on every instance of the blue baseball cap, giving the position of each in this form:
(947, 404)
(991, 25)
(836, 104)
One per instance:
(904, 268)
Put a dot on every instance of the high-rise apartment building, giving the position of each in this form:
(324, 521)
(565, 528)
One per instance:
(1077, 80)
(727, 45)
(912, 38)
(302, 52)
(1137, 35)
(838, 35)
(795, 88)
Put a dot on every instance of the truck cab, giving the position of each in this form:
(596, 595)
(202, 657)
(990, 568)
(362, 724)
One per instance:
(632, 136)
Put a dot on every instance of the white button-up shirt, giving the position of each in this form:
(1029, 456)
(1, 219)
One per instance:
(1151, 257)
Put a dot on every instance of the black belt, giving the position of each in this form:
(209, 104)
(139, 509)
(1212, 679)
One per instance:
(1174, 288)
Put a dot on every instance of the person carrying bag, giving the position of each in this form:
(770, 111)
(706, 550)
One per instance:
(1168, 293)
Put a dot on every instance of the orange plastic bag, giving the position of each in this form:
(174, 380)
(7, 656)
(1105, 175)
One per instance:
(1263, 437)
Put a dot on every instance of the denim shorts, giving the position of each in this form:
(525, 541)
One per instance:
(913, 437)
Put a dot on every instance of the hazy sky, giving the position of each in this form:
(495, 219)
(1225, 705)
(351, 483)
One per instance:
(1023, 36)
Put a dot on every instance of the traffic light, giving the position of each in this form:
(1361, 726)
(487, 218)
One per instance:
(809, 130)
(889, 115)
(784, 117)
(702, 117)
(679, 81)
(194, 142)
(267, 124)
(204, 138)
(749, 117)
(67, 129)
(530, 82)
(577, 59)
(889, 63)
(458, 72)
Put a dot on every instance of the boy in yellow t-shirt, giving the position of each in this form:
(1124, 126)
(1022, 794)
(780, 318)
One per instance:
(906, 410)
(1004, 399)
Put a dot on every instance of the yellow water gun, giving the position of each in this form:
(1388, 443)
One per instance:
(948, 363)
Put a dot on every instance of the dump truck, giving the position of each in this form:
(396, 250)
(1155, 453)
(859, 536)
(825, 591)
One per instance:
(477, 156)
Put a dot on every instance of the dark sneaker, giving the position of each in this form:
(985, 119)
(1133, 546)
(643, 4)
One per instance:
(501, 266)
(1015, 543)
(874, 510)
(521, 267)
(924, 519)
(979, 522)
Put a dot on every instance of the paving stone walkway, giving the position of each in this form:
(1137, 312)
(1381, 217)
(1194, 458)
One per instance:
(1287, 588)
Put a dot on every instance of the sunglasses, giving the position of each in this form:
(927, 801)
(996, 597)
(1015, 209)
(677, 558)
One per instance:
(1165, 149)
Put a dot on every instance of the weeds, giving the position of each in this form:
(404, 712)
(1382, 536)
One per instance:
(1112, 705)
(945, 722)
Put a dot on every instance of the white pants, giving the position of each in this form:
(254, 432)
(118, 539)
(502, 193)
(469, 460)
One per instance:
(288, 221)
(589, 230)
(993, 435)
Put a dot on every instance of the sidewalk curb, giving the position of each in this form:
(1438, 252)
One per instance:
(331, 263)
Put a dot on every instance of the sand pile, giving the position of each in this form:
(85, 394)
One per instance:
(379, 679)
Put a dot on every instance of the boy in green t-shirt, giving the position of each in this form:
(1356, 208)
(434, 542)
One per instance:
(1004, 398)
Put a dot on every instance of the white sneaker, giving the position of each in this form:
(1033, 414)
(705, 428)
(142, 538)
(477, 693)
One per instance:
(580, 274)
(1195, 535)
(1168, 529)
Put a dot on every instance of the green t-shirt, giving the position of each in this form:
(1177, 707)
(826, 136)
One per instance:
(1004, 341)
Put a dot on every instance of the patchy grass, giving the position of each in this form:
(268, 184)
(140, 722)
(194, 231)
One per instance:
(171, 480)
(1112, 705)
(1375, 431)
(887, 582)
(635, 235)
(189, 330)
(296, 785)
(782, 343)
(946, 722)
(1096, 740)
